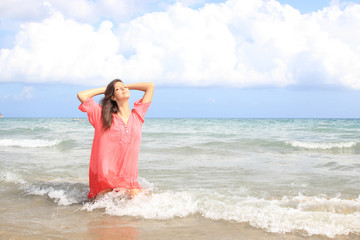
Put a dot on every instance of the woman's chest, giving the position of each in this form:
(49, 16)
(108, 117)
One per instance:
(124, 133)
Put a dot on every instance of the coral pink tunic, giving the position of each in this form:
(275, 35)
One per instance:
(115, 152)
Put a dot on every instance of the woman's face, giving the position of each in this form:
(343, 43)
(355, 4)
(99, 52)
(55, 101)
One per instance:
(121, 92)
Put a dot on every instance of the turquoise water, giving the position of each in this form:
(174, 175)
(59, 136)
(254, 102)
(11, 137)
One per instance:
(298, 177)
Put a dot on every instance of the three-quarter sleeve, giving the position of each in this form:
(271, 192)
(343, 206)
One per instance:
(93, 111)
(141, 108)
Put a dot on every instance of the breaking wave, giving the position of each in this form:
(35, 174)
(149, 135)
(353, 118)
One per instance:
(28, 143)
(322, 145)
(314, 215)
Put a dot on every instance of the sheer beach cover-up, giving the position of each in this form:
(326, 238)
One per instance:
(115, 152)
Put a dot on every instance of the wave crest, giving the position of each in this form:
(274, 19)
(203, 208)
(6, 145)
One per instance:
(28, 143)
(321, 145)
(63, 194)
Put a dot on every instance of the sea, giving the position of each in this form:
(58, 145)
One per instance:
(201, 179)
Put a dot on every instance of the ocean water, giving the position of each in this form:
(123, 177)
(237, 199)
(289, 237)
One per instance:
(202, 179)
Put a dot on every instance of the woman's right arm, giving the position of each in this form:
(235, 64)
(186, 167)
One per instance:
(83, 95)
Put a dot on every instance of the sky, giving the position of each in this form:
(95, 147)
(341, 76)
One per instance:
(207, 58)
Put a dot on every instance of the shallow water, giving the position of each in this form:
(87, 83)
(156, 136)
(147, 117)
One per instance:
(202, 179)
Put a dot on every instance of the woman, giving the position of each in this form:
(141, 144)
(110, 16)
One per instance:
(116, 144)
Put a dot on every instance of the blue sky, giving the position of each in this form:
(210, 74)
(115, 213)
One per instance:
(260, 59)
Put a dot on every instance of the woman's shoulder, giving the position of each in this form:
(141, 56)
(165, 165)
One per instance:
(140, 109)
(89, 103)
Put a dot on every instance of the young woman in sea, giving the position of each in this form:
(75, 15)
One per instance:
(116, 144)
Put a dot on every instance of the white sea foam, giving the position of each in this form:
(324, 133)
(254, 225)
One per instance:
(311, 214)
(321, 145)
(11, 177)
(59, 196)
(165, 205)
(63, 194)
(314, 215)
(28, 143)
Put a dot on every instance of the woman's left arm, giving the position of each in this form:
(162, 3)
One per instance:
(147, 87)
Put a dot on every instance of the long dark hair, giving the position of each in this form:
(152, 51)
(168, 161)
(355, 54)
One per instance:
(109, 106)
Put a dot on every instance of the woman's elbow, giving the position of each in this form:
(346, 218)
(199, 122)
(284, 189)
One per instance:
(151, 85)
(80, 96)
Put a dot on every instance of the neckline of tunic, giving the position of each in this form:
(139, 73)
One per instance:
(127, 123)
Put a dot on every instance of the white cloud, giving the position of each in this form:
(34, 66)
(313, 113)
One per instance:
(60, 50)
(80, 10)
(93, 11)
(237, 43)
(22, 10)
(86, 11)
(25, 94)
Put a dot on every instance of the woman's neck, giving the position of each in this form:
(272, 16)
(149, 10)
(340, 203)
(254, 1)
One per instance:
(124, 110)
